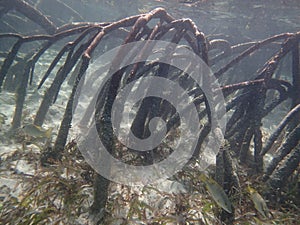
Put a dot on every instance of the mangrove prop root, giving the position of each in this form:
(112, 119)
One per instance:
(226, 176)
(30, 12)
(291, 141)
(281, 174)
(296, 82)
(280, 128)
(247, 100)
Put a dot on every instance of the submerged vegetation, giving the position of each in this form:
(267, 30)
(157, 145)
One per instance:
(256, 176)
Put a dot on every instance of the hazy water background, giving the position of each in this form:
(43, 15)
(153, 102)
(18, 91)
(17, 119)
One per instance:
(240, 20)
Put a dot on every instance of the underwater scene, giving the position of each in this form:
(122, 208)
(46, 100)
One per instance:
(149, 112)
